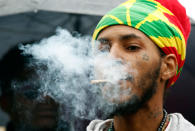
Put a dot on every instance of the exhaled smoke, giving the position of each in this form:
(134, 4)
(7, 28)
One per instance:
(69, 63)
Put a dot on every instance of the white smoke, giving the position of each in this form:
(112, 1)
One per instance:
(70, 68)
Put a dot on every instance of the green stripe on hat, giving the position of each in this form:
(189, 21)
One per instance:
(137, 16)
(161, 29)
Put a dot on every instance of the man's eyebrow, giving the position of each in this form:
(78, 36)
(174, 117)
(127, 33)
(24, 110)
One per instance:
(129, 36)
(103, 40)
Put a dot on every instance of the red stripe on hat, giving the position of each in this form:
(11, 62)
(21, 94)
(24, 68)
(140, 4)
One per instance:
(174, 21)
(179, 11)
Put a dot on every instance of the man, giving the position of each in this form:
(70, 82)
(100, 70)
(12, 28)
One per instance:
(20, 93)
(151, 35)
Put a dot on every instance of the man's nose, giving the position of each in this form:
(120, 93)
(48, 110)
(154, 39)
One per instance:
(116, 51)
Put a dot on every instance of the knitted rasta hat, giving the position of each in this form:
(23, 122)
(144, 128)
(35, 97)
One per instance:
(164, 21)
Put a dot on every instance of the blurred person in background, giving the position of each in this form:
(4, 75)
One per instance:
(25, 111)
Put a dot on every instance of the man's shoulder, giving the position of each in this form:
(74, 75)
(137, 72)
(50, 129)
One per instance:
(179, 123)
(99, 125)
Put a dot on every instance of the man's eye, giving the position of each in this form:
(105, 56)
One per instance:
(133, 48)
(104, 48)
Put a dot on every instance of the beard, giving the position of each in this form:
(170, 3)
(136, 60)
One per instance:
(149, 80)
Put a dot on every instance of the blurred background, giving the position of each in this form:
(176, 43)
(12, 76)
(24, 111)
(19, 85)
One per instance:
(32, 20)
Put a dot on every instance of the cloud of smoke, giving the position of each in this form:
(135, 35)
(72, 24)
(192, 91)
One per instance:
(69, 63)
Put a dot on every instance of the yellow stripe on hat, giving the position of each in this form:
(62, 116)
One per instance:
(116, 19)
(161, 8)
(151, 17)
(156, 15)
(165, 10)
(182, 42)
(171, 42)
(98, 31)
(128, 5)
(102, 27)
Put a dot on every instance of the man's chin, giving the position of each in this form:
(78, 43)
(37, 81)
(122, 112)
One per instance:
(125, 108)
(132, 105)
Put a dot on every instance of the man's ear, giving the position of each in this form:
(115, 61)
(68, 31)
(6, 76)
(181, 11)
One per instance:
(168, 67)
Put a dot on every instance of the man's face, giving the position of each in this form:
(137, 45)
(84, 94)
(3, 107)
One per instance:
(142, 60)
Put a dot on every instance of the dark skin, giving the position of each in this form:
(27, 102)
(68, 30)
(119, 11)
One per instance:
(134, 48)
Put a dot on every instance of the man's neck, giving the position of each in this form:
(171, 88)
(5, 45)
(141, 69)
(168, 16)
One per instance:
(147, 118)
(143, 120)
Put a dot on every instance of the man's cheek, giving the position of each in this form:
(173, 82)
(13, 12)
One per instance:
(141, 66)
